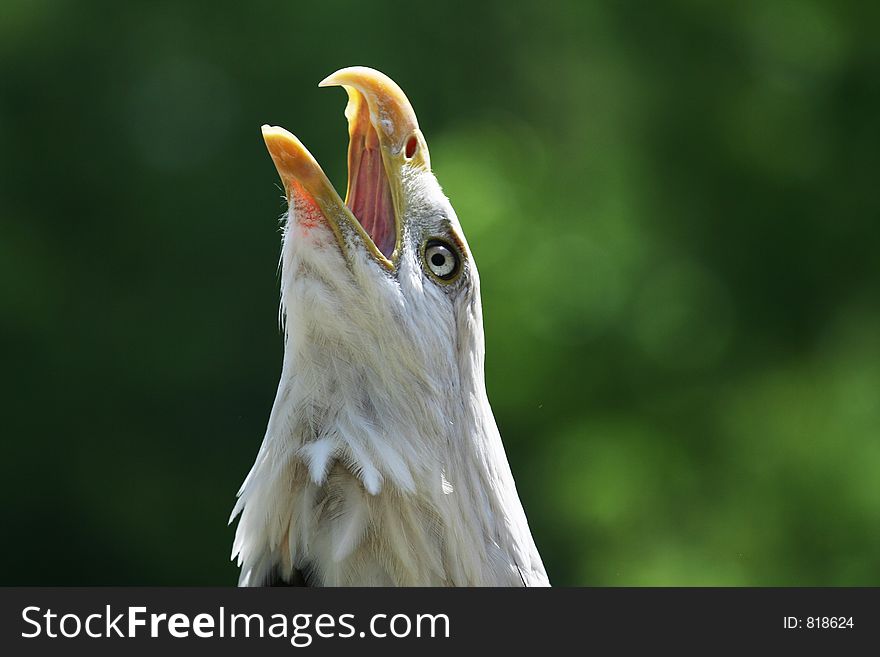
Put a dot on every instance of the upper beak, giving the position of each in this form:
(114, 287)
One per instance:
(384, 140)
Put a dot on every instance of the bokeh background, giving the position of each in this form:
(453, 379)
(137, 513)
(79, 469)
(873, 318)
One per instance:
(673, 206)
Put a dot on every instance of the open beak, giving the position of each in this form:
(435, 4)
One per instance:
(384, 140)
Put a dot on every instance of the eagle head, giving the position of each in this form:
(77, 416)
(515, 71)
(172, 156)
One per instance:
(385, 277)
(382, 463)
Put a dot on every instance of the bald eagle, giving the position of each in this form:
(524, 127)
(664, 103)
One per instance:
(381, 464)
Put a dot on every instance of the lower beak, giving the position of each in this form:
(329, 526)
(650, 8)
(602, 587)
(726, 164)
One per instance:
(384, 140)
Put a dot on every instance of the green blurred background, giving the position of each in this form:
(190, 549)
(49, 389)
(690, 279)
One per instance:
(673, 206)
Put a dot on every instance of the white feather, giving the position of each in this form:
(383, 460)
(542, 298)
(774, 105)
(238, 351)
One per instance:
(318, 455)
(382, 463)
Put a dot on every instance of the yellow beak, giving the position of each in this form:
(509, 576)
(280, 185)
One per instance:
(384, 140)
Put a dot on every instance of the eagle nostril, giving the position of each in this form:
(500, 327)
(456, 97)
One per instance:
(411, 145)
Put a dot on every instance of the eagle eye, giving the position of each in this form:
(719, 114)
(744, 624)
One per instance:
(442, 259)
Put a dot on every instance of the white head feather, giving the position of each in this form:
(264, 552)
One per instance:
(382, 463)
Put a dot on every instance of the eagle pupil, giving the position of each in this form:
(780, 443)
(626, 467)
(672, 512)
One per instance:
(438, 259)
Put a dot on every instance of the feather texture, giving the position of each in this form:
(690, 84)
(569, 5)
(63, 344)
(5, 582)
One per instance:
(381, 463)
